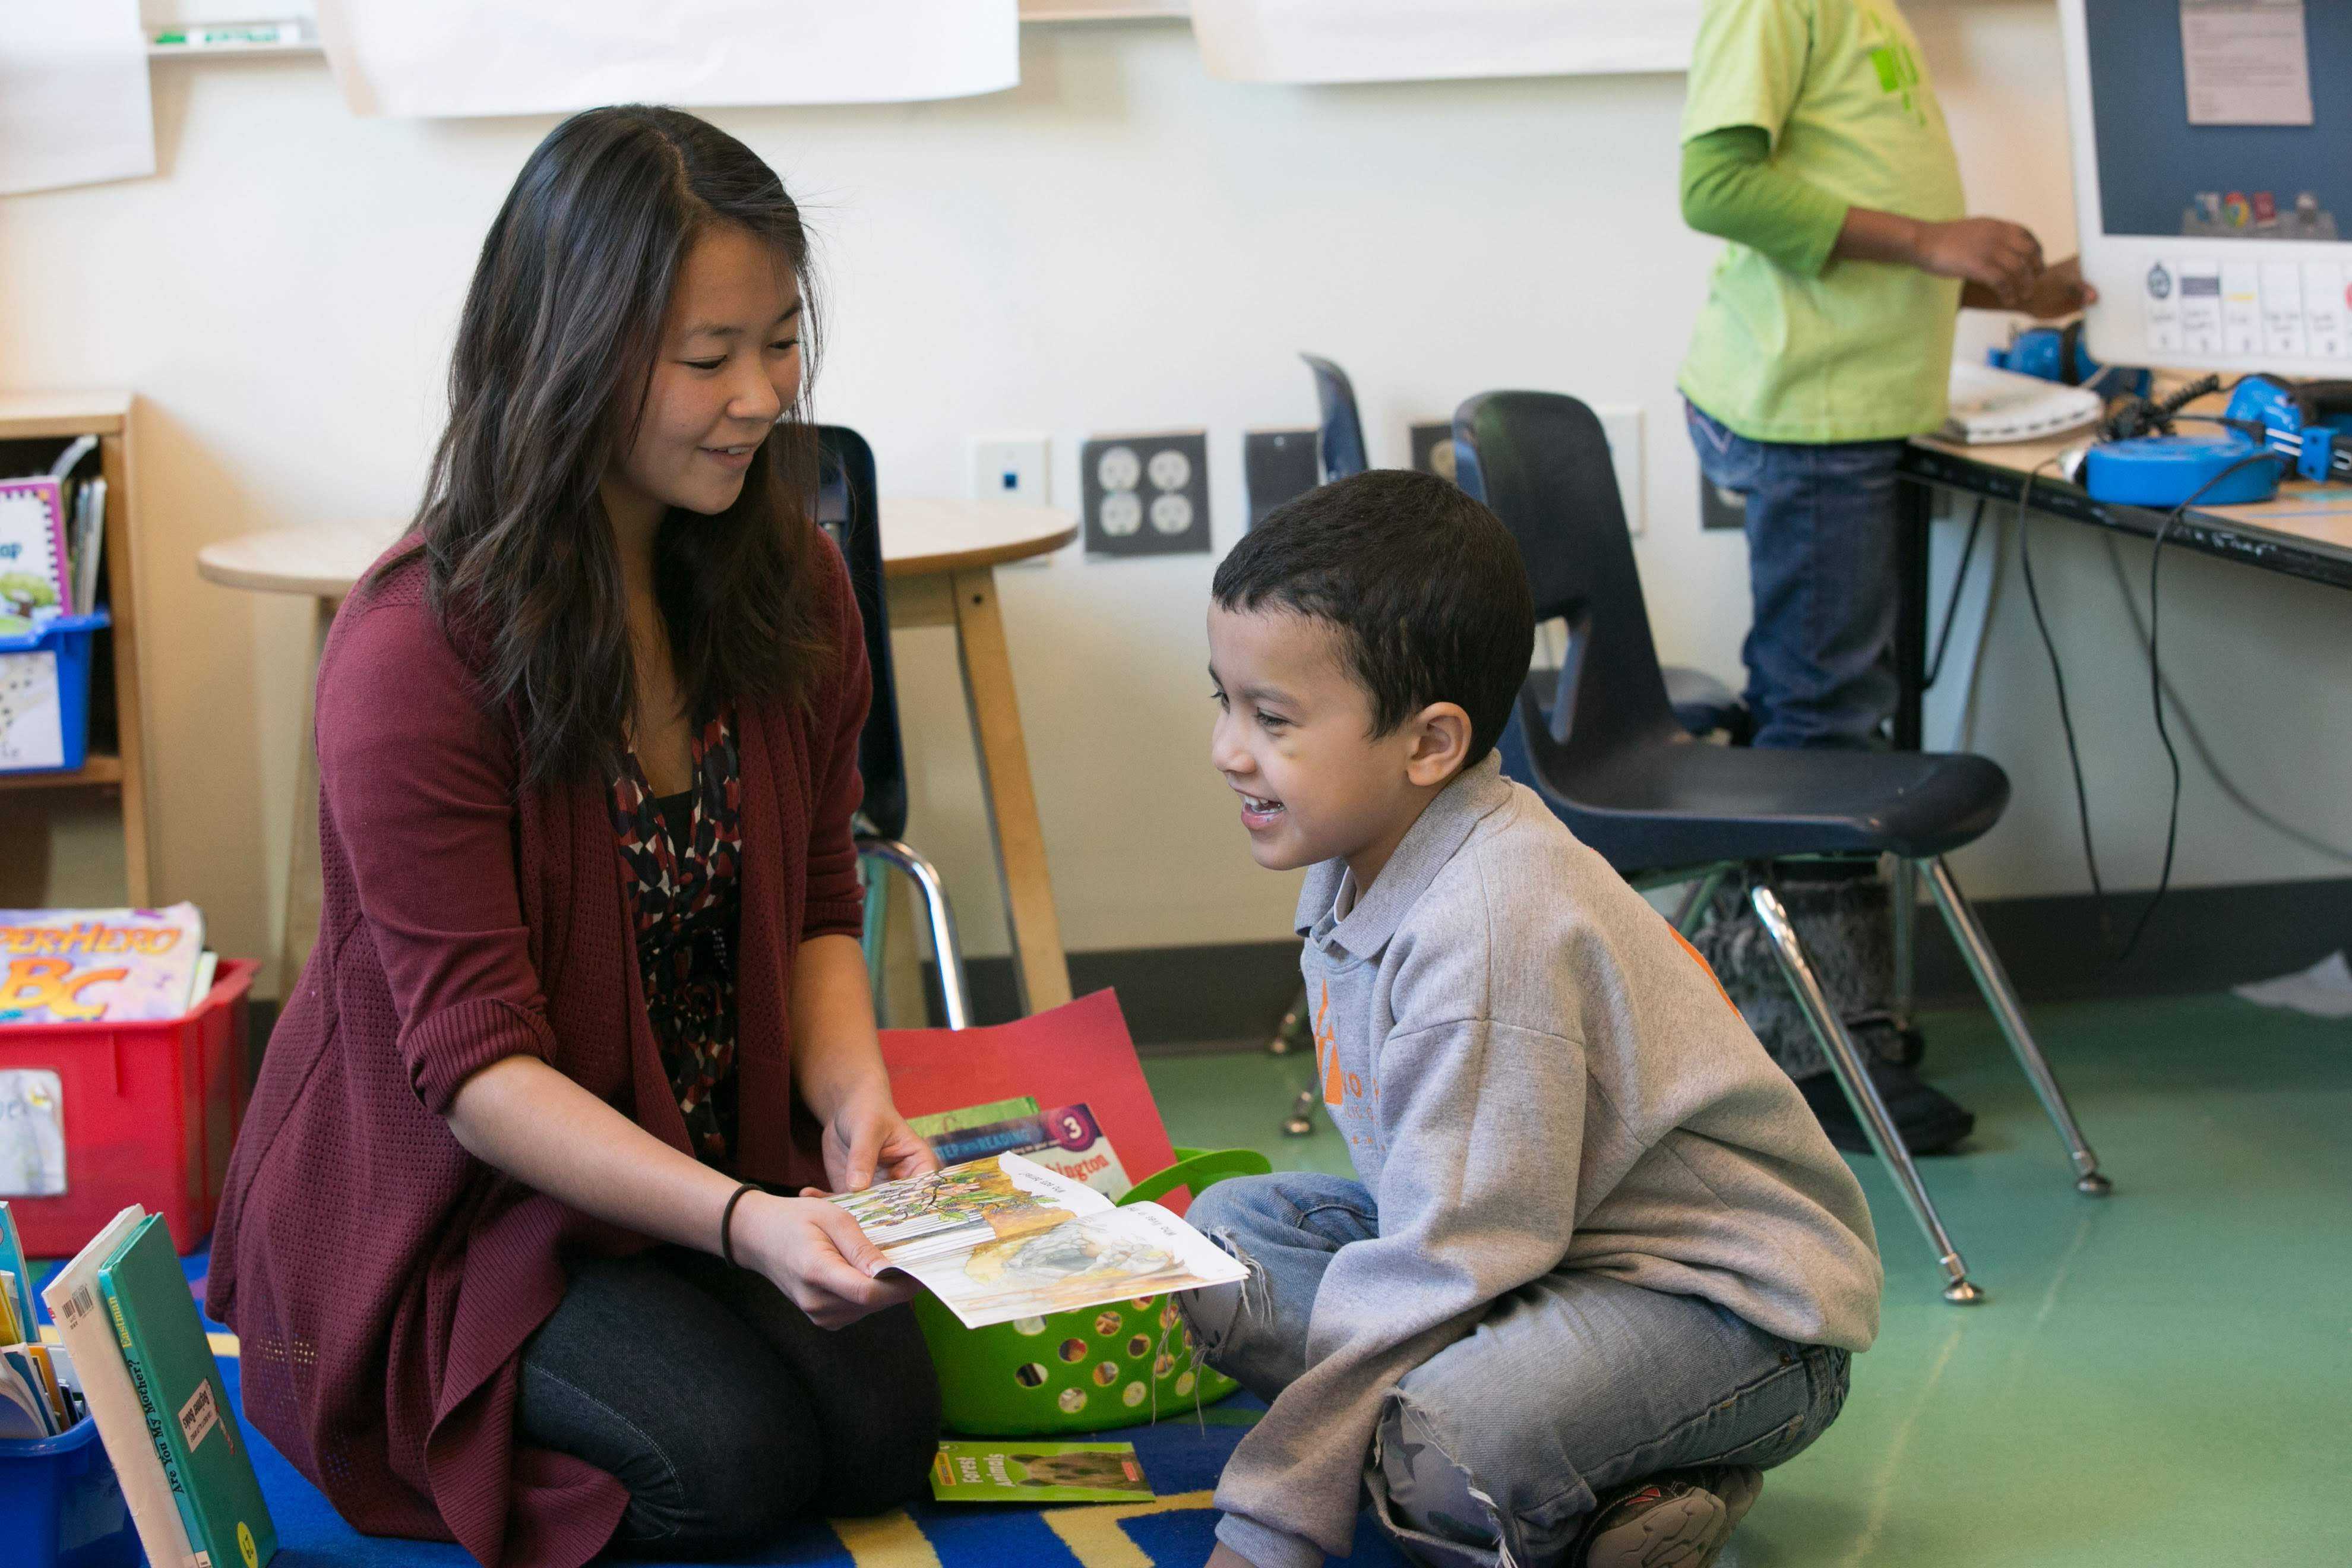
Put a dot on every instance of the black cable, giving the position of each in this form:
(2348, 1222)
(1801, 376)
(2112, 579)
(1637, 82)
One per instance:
(2156, 683)
(2065, 713)
(2156, 698)
(1952, 608)
(2222, 780)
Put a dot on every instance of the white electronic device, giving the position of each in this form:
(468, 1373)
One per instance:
(1989, 405)
(2213, 181)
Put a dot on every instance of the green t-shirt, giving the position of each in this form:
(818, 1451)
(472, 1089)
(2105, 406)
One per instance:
(1864, 351)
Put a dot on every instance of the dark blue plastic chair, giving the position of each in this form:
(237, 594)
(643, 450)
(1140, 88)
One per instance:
(1703, 705)
(1608, 754)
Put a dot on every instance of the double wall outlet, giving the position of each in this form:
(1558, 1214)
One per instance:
(1432, 449)
(1146, 495)
(1433, 453)
(1011, 469)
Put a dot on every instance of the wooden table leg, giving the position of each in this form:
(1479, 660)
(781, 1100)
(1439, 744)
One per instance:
(304, 891)
(1038, 962)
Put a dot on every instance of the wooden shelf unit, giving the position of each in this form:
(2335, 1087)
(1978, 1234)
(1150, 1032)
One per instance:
(43, 416)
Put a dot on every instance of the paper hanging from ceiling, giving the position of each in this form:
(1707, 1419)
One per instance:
(73, 94)
(432, 57)
(1432, 40)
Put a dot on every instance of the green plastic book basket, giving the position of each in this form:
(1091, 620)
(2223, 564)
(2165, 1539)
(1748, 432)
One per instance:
(1118, 1365)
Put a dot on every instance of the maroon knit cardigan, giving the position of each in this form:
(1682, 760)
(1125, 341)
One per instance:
(381, 1280)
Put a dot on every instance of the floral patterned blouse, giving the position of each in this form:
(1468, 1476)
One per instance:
(681, 855)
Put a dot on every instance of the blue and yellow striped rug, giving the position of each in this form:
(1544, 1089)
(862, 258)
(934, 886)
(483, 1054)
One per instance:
(1182, 1459)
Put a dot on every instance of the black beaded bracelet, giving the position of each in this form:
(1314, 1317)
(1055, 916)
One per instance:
(727, 1223)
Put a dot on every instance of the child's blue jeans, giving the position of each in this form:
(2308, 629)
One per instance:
(1822, 572)
(1571, 1387)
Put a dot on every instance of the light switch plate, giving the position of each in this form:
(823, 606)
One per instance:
(1278, 466)
(1013, 467)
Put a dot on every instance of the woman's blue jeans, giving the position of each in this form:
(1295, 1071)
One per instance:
(1822, 572)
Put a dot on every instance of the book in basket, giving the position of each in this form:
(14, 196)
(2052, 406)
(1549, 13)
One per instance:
(1003, 1237)
(35, 579)
(114, 966)
(184, 1401)
(87, 1332)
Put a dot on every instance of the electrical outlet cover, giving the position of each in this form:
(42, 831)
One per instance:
(1432, 449)
(1146, 495)
(1279, 466)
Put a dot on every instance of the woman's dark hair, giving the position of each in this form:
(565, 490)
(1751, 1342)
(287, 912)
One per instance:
(547, 386)
(1423, 586)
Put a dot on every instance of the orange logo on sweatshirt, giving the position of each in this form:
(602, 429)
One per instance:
(1338, 1086)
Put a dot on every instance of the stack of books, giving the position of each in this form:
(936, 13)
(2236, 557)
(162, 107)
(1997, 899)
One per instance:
(133, 1355)
(52, 529)
(102, 966)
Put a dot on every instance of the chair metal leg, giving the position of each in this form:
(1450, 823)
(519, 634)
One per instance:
(953, 1001)
(1696, 902)
(1847, 1062)
(1292, 1032)
(1993, 980)
(1905, 901)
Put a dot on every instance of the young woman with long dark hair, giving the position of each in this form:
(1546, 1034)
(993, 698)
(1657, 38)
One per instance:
(503, 1236)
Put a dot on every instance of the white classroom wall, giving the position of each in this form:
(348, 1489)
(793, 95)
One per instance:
(1120, 244)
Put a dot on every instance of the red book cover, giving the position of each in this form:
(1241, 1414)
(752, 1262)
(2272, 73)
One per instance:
(1080, 1054)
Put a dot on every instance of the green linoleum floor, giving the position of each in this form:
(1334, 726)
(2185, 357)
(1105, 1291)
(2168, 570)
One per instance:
(2163, 1377)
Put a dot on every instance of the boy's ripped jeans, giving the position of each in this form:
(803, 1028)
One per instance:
(1493, 1451)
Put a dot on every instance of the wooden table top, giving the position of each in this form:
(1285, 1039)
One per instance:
(2318, 515)
(921, 537)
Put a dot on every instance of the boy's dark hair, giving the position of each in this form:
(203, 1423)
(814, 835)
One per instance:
(1423, 583)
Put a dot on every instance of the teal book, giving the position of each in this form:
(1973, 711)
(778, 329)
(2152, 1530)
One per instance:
(179, 1385)
(11, 1261)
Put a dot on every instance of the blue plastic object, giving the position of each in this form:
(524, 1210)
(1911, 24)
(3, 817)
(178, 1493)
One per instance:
(61, 1505)
(67, 636)
(2042, 351)
(2167, 470)
(2314, 440)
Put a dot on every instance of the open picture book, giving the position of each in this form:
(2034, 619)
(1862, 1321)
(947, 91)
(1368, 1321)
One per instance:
(1003, 1237)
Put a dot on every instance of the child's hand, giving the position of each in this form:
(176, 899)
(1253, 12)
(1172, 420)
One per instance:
(1225, 1556)
(2061, 291)
(2002, 258)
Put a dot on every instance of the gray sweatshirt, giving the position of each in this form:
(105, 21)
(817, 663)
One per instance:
(1533, 1071)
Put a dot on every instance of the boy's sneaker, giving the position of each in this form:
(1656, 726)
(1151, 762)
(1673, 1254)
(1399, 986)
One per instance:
(1679, 1521)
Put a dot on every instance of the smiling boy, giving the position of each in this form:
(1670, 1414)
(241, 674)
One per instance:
(1601, 1267)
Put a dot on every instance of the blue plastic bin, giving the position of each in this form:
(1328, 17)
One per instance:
(23, 678)
(60, 1506)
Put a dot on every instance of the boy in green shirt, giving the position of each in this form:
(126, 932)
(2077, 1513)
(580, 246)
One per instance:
(1812, 141)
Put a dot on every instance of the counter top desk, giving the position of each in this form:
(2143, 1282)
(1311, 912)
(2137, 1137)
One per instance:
(2305, 532)
(940, 558)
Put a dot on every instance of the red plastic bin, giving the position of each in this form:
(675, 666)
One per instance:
(150, 1112)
